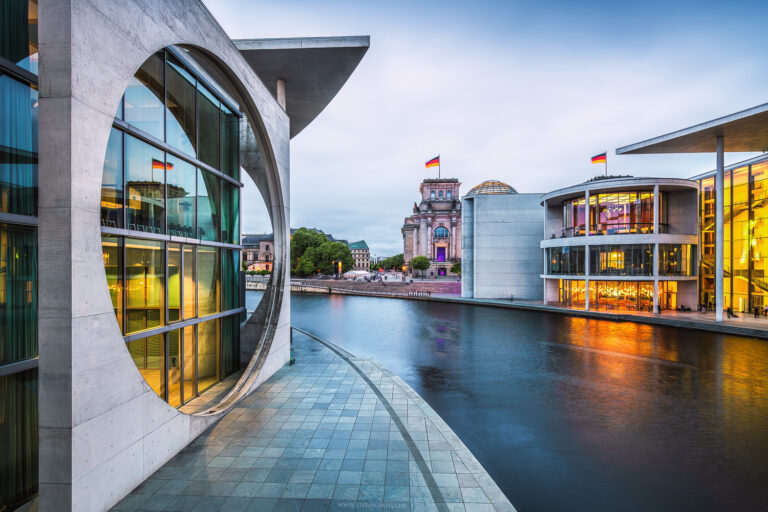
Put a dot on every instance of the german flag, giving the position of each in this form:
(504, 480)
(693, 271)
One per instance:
(158, 165)
(435, 162)
(600, 159)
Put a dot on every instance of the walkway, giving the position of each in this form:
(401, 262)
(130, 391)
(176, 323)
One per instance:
(331, 432)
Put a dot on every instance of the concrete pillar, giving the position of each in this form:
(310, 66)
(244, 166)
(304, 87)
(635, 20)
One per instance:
(280, 86)
(656, 209)
(719, 238)
(587, 221)
(544, 252)
(586, 254)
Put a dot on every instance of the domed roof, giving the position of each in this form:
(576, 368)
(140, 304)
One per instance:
(491, 187)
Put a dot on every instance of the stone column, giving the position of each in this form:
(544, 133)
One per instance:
(719, 238)
(280, 90)
(423, 251)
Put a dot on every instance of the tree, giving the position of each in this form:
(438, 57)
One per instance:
(395, 262)
(456, 268)
(301, 240)
(307, 265)
(420, 263)
(333, 251)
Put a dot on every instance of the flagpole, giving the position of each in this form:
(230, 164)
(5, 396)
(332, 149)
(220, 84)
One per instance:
(438, 167)
(606, 164)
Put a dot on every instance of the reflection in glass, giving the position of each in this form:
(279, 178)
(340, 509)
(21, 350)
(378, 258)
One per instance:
(230, 213)
(208, 354)
(208, 126)
(209, 278)
(181, 178)
(174, 282)
(190, 282)
(18, 34)
(18, 294)
(230, 143)
(230, 344)
(145, 274)
(207, 206)
(18, 147)
(565, 260)
(145, 186)
(112, 253)
(190, 363)
(174, 368)
(180, 100)
(112, 182)
(230, 279)
(621, 260)
(18, 438)
(677, 260)
(144, 97)
(149, 356)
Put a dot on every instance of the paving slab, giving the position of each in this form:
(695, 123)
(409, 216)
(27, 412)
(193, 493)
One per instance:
(331, 432)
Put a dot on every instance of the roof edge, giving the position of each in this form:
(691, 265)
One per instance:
(287, 43)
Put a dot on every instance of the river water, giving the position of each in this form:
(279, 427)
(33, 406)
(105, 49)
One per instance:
(570, 413)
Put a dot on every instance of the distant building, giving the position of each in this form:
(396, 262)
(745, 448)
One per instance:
(434, 228)
(502, 232)
(259, 251)
(361, 254)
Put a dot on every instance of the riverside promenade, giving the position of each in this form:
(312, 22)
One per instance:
(331, 432)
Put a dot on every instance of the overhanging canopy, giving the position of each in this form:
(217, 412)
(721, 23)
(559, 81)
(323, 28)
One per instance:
(743, 131)
(314, 70)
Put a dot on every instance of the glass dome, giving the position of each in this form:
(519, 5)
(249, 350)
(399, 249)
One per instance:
(491, 187)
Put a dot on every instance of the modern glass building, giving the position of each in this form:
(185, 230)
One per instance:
(171, 226)
(122, 145)
(18, 252)
(745, 236)
(621, 243)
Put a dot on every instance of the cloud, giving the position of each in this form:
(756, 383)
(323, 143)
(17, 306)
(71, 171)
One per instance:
(516, 91)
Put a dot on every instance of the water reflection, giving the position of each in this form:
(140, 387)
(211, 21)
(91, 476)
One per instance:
(569, 410)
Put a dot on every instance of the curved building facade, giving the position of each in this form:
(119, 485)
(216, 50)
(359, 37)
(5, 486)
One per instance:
(622, 244)
(125, 131)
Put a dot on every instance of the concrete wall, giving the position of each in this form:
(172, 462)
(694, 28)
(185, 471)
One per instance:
(507, 259)
(102, 429)
(682, 211)
(468, 247)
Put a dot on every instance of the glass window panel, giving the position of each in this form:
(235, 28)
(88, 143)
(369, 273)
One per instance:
(174, 368)
(112, 182)
(18, 438)
(230, 143)
(18, 147)
(190, 283)
(145, 186)
(145, 288)
(740, 185)
(208, 123)
(181, 178)
(144, 97)
(112, 253)
(230, 215)
(190, 363)
(230, 279)
(18, 294)
(230, 341)
(18, 34)
(180, 100)
(209, 280)
(208, 200)
(149, 356)
(174, 282)
(208, 354)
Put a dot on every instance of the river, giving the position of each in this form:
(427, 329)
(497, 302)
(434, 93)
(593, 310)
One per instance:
(571, 413)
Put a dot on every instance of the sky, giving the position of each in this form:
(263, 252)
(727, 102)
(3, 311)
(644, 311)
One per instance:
(522, 92)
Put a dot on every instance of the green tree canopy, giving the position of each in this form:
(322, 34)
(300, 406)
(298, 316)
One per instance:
(456, 268)
(330, 252)
(420, 263)
(301, 240)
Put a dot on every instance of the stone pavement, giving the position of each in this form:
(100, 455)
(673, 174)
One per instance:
(331, 432)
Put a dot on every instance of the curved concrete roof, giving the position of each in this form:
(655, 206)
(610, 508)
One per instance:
(617, 184)
(314, 70)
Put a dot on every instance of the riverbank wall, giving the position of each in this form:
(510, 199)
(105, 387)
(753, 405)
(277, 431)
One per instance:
(741, 326)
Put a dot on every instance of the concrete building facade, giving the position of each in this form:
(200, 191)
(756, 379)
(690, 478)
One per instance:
(622, 243)
(138, 251)
(362, 255)
(259, 251)
(500, 243)
(434, 228)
